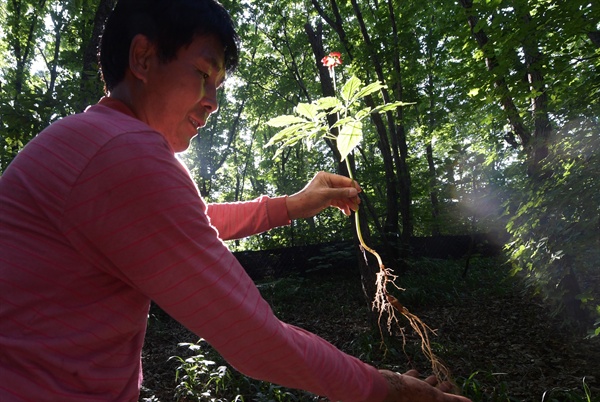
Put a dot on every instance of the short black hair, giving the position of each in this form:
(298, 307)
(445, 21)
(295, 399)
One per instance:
(169, 25)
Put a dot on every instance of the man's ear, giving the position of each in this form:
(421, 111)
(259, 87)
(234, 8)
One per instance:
(141, 52)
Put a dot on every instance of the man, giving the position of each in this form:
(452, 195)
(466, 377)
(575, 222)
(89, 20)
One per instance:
(98, 217)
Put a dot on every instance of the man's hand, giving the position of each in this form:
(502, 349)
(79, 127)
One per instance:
(408, 387)
(324, 190)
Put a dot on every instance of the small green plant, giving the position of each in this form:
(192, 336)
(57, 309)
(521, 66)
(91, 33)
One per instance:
(569, 395)
(474, 389)
(204, 377)
(310, 124)
(196, 376)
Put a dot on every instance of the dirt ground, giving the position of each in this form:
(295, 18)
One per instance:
(508, 346)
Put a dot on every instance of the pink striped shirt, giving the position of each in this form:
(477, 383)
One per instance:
(97, 218)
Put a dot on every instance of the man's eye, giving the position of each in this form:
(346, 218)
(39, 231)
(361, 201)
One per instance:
(203, 74)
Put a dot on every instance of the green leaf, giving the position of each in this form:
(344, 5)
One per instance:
(369, 89)
(288, 133)
(474, 92)
(361, 114)
(285, 120)
(342, 122)
(291, 142)
(391, 106)
(350, 88)
(307, 110)
(329, 102)
(350, 136)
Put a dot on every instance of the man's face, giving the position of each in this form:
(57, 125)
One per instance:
(181, 94)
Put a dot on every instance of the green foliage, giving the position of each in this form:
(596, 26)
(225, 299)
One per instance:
(196, 378)
(445, 282)
(569, 395)
(41, 62)
(205, 376)
(555, 223)
(472, 388)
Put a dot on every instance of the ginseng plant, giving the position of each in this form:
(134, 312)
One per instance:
(309, 124)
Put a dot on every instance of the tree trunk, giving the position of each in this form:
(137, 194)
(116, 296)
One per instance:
(23, 52)
(398, 135)
(500, 84)
(539, 101)
(58, 26)
(392, 212)
(316, 42)
(592, 31)
(398, 147)
(594, 37)
(570, 290)
(435, 207)
(91, 85)
(430, 46)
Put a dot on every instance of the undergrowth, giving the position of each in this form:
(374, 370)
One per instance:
(331, 305)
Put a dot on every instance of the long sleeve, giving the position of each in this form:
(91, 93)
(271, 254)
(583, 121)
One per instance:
(242, 219)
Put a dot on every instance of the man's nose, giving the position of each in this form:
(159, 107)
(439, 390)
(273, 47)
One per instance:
(209, 100)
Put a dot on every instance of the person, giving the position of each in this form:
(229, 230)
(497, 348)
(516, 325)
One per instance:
(98, 217)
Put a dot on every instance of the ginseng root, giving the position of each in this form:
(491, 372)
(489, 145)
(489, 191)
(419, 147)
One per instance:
(387, 304)
(439, 369)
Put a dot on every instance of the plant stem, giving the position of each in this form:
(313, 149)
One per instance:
(359, 231)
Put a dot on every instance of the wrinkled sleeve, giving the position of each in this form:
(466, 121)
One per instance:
(236, 220)
(146, 225)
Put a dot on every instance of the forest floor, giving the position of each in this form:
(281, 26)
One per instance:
(499, 341)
